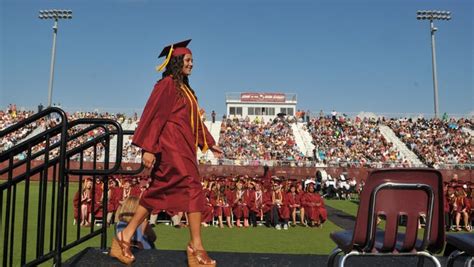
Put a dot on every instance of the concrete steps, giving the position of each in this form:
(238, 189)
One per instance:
(406, 153)
(467, 130)
(303, 139)
(214, 129)
(113, 141)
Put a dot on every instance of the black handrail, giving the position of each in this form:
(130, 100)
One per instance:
(9, 186)
(41, 138)
(56, 160)
(18, 171)
(118, 158)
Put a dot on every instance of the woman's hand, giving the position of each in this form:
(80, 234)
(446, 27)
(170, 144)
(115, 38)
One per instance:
(216, 150)
(148, 159)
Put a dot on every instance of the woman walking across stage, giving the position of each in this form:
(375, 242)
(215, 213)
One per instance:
(169, 133)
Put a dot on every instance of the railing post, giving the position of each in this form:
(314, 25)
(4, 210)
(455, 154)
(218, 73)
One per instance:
(62, 181)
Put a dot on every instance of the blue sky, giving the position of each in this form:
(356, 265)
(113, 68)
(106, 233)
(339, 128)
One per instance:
(346, 55)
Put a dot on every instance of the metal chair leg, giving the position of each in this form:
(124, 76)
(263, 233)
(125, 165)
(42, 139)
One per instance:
(421, 261)
(469, 262)
(431, 257)
(332, 256)
(343, 259)
(452, 257)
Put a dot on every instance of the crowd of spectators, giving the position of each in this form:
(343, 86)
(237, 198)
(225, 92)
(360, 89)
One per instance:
(355, 142)
(90, 153)
(438, 143)
(131, 153)
(10, 117)
(338, 139)
(243, 139)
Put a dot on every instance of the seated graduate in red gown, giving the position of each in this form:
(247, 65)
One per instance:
(294, 202)
(300, 191)
(280, 211)
(221, 205)
(241, 210)
(208, 213)
(314, 207)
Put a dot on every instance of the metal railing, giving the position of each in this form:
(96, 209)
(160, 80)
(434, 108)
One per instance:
(50, 195)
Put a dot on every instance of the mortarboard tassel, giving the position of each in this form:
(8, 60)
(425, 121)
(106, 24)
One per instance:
(167, 60)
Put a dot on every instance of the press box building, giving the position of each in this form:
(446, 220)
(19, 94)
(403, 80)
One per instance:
(263, 105)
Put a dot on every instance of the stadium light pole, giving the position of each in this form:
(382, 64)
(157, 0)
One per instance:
(55, 14)
(433, 15)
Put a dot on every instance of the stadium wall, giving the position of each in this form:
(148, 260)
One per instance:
(229, 170)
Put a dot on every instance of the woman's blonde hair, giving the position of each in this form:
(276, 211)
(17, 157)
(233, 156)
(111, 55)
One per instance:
(127, 209)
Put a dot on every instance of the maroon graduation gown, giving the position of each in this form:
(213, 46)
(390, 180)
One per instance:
(165, 130)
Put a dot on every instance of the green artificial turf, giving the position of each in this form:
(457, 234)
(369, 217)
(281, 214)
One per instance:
(296, 240)
(348, 206)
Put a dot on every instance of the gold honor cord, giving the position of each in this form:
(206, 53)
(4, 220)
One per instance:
(192, 113)
(167, 60)
(192, 107)
(198, 120)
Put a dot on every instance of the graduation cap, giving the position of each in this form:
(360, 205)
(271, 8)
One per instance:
(173, 50)
(275, 178)
(459, 188)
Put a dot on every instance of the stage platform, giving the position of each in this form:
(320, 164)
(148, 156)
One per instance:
(94, 257)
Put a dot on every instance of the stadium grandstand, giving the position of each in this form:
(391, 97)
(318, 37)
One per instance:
(333, 151)
(313, 139)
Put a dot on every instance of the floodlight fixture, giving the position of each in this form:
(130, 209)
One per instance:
(55, 14)
(432, 15)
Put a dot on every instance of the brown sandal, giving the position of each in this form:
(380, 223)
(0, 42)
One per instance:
(121, 250)
(199, 258)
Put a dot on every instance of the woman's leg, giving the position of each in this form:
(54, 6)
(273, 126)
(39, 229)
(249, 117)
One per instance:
(196, 252)
(302, 216)
(195, 230)
(458, 219)
(221, 225)
(83, 214)
(465, 217)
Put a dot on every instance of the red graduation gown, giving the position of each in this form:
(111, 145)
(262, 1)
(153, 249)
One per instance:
(314, 207)
(292, 200)
(165, 130)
